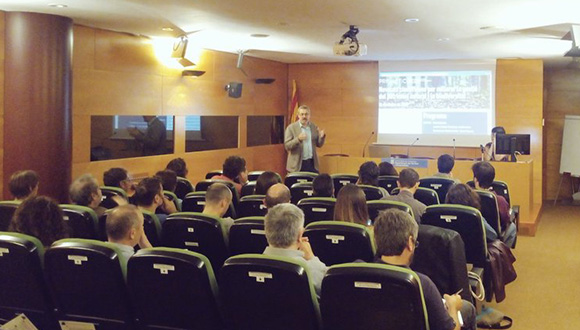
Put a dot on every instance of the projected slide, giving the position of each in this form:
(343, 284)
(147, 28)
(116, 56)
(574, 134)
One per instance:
(451, 103)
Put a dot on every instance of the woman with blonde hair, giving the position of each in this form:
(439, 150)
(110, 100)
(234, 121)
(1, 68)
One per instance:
(351, 205)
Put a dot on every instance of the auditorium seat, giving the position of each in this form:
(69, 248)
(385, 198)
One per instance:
(499, 187)
(490, 210)
(252, 205)
(253, 176)
(199, 233)
(389, 182)
(341, 180)
(336, 242)
(266, 292)
(467, 222)
(317, 208)
(373, 193)
(440, 185)
(173, 198)
(87, 279)
(442, 258)
(195, 202)
(152, 227)
(296, 177)
(183, 187)
(7, 209)
(108, 194)
(375, 207)
(173, 289)
(301, 190)
(424, 195)
(372, 296)
(248, 189)
(247, 235)
(213, 173)
(82, 221)
(22, 285)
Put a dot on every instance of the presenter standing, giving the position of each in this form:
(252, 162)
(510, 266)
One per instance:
(300, 140)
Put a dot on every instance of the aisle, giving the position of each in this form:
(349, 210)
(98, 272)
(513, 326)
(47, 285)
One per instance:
(546, 294)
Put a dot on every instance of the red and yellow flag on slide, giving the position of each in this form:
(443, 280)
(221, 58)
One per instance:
(293, 112)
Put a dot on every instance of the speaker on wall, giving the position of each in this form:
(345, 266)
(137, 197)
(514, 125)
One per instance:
(234, 89)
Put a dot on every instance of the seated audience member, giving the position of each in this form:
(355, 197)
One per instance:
(118, 177)
(149, 196)
(178, 166)
(85, 191)
(489, 150)
(125, 230)
(265, 181)
(218, 198)
(351, 205)
(462, 194)
(23, 184)
(234, 170)
(168, 182)
(396, 238)
(368, 174)
(408, 183)
(284, 227)
(483, 176)
(277, 194)
(323, 186)
(445, 164)
(386, 168)
(41, 217)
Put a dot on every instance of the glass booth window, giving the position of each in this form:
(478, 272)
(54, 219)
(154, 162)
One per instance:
(211, 132)
(114, 137)
(265, 130)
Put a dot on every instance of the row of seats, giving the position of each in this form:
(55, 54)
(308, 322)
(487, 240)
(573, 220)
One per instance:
(162, 288)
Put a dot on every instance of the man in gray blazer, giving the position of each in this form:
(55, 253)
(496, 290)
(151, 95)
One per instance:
(300, 140)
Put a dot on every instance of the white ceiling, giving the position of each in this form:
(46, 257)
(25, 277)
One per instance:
(305, 30)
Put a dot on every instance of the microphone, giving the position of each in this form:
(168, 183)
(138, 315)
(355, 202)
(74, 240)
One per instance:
(453, 148)
(417, 139)
(368, 140)
(482, 151)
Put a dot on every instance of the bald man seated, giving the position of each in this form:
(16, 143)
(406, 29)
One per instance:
(277, 194)
(125, 229)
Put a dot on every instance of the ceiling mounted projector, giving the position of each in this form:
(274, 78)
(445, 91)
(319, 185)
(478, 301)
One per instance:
(575, 36)
(349, 45)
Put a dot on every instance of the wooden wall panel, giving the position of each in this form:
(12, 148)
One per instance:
(343, 100)
(519, 108)
(2, 42)
(563, 98)
(119, 75)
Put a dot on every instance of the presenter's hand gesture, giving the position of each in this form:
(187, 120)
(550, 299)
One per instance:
(321, 133)
(302, 136)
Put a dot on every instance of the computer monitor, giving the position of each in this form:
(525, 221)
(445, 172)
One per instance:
(512, 144)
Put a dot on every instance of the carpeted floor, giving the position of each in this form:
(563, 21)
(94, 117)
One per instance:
(546, 294)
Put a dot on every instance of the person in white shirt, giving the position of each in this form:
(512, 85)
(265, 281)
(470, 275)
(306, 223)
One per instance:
(125, 230)
(284, 225)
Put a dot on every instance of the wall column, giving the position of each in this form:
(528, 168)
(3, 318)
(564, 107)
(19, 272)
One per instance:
(37, 100)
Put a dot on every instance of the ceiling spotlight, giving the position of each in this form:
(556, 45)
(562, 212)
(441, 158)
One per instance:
(57, 5)
(443, 39)
(411, 20)
(167, 29)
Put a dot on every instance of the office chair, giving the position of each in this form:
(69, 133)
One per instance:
(341, 180)
(301, 190)
(388, 182)
(424, 195)
(82, 221)
(247, 235)
(317, 208)
(374, 207)
(299, 177)
(373, 193)
(252, 205)
(7, 209)
(183, 187)
(440, 185)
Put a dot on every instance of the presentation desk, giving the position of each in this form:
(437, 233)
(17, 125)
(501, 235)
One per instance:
(518, 176)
